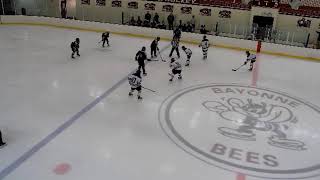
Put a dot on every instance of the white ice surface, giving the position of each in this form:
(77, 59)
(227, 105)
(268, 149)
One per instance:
(120, 138)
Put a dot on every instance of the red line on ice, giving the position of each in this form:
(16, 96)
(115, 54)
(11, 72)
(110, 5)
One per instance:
(241, 176)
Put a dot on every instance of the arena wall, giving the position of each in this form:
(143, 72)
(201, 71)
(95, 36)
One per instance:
(240, 19)
(238, 44)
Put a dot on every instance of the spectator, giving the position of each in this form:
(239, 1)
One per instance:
(177, 34)
(1, 141)
(203, 29)
(153, 24)
(170, 21)
(132, 22)
(193, 24)
(146, 23)
(139, 22)
(180, 24)
(147, 17)
(189, 27)
(156, 18)
(184, 28)
(162, 25)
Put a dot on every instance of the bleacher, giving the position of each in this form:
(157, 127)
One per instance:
(308, 8)
(308, 3)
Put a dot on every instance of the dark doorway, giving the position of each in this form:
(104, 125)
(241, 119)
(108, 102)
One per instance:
(264, 26)
(1, 10)
(7, 6)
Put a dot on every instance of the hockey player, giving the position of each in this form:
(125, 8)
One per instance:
(154, 47)
(188, 53)
(2, 144)
(141, 56)
(204, 45)
(75, 47)
(105, 38)
(175, 47)
(252, 58)
(135, 83)
(176, 69)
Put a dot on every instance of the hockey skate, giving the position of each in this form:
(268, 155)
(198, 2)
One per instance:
(139, 98)
(236, 134)
(180, 77)
(286, 143)
(130, 94)
(2, 145)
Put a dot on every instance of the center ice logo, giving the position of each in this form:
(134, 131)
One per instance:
(254, 117)
(255, 131)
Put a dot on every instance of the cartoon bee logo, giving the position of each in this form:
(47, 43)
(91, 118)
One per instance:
(252, 117)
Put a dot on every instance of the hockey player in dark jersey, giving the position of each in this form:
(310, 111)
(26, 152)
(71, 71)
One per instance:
(135, 83)
(204, 45)
(252, 58)
(188, 53)
(75, 47)
(176, 69)
(175, 47)
(141, 56)
(154, 47)
(105, 38)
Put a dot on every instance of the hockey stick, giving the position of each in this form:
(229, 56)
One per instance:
(152, 60)
(236, 69)
(148, 89)
(161, 56)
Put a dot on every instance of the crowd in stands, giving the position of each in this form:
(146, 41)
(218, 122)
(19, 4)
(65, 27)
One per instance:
(148, 21)
(154, 22)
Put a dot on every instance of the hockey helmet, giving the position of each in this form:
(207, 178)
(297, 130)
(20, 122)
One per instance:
(77, 39)
(204, 37)
(247, 52)
(158, 38)
(143, 48)
(183, 47)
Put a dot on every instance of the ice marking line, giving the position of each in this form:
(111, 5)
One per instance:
(13, 166)
(241, 176)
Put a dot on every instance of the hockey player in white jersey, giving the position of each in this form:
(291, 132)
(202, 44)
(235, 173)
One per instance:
(176, 69)
(252, 58)
(188, 53)
(135, 83)
(204, 45)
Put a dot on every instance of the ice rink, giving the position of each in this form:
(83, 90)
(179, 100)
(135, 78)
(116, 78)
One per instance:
(73, 119)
